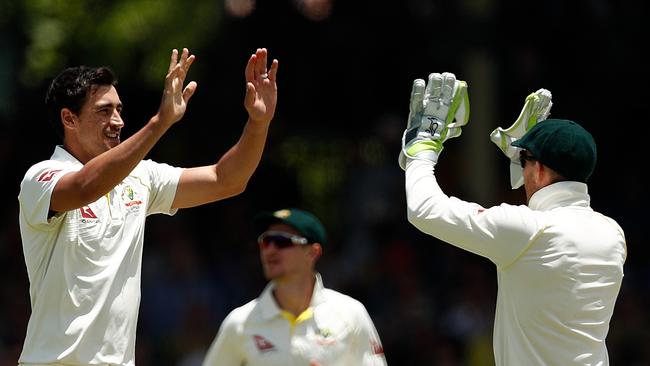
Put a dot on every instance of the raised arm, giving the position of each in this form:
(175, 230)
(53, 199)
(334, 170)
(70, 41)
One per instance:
(231, 173)
(106, 166)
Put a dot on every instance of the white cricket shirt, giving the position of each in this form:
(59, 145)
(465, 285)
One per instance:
(559, 266)
(336, 330)
(84, 265)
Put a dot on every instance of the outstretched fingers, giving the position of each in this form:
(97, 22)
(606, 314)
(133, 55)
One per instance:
(186, 61)
(176, 94)
(173, 61)
(260, 65)
(256, 70)
(189, 91)
(261, 90)
(180, 68)
(250, 76)
(274, 70)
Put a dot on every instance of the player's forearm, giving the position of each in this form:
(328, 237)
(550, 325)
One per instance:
(429, 209)
(424, 197)
(238, 164)
(102, 173)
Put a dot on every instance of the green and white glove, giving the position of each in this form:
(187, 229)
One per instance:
(536, 108)
(437, 111)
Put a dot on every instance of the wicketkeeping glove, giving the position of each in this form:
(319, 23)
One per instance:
(437, 111)
(536, 108)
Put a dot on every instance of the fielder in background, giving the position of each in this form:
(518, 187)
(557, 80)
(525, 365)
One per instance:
(295, 321)
(559, 263)
(83, 211)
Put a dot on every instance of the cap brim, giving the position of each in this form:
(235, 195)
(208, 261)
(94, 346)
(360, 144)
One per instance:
(263, 220)
(517, 143)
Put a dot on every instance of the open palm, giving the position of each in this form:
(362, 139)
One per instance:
(261, 89)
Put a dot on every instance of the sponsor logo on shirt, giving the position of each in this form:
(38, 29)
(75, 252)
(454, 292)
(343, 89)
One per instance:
(48, 175)
(88, 216)
(87, 213)
(376, 348)
(263, 344)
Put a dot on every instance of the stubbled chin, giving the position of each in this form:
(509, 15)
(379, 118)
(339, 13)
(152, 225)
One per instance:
(271, 271)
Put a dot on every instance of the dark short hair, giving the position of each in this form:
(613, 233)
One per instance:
(70, 90)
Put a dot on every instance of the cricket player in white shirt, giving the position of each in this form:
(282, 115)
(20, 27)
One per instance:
(295, 321)
(83, 211)
(559, 263)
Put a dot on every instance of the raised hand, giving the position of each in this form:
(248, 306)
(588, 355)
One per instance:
(536, 108)
(175, 97)
(261, 89)
(437, 111)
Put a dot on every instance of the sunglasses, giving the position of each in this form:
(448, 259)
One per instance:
(523, 157)
(280, 239)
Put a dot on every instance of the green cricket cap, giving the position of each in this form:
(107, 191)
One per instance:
(305, 222)
(563, 146)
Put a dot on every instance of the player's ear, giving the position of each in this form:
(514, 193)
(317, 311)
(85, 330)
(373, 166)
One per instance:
(316, 251)
(543, 174)
(68, 118)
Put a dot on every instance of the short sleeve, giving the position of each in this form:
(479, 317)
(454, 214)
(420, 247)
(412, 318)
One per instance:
(225, 350)
(163, 181)
(36, 190)
(368, 344)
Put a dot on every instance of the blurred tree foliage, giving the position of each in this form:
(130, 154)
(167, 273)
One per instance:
(132, 36)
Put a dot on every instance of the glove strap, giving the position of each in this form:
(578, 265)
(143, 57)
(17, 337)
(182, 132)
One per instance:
(420, 146)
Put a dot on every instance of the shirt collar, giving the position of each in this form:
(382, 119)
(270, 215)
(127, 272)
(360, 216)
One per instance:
(61, 154)
(566, 193)
(270, 308)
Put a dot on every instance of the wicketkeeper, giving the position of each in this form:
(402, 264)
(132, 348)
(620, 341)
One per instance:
(559, 263)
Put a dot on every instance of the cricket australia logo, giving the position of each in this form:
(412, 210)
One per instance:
(324, 337)
(130, 197)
